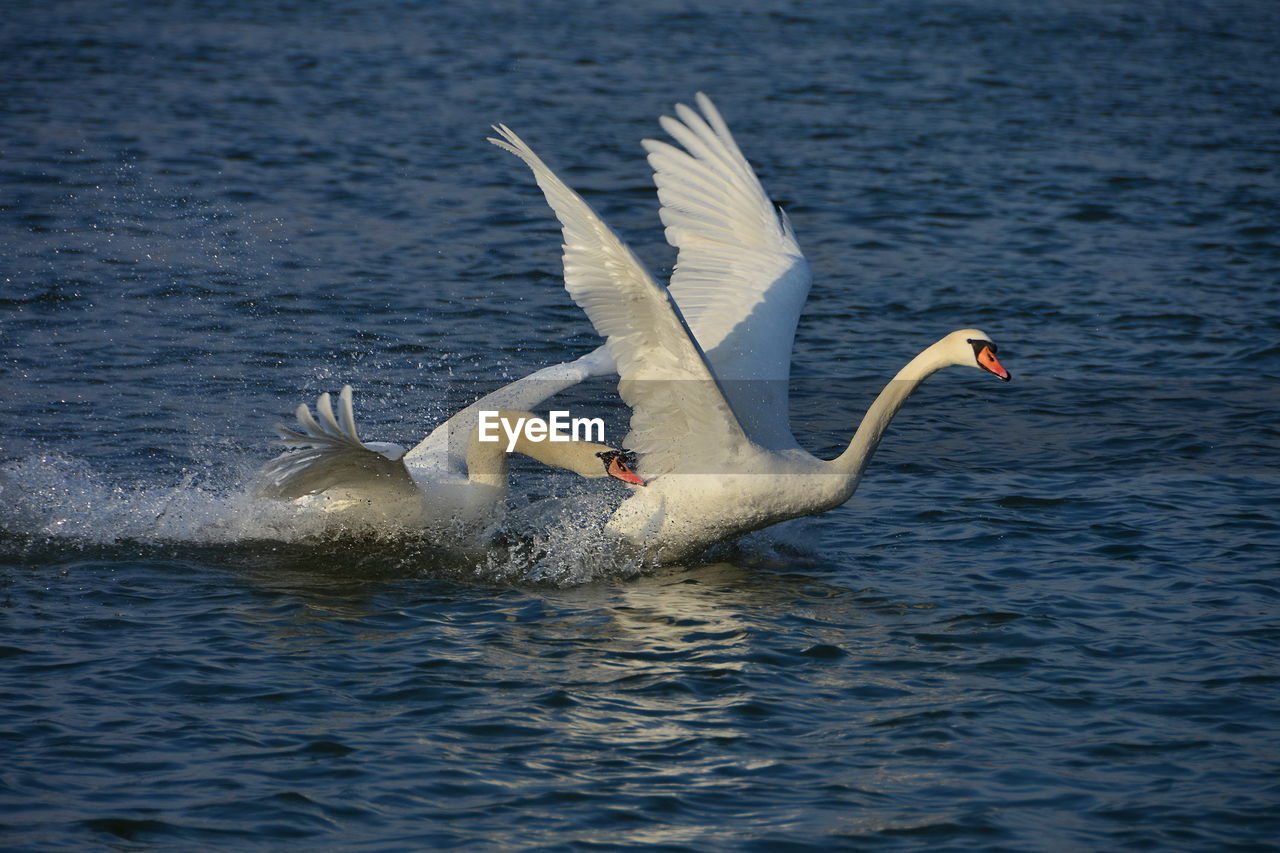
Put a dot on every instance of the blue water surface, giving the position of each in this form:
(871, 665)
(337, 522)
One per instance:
(1048, 619)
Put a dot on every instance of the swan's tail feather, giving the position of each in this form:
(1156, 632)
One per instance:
(339, 431)
(327, 453)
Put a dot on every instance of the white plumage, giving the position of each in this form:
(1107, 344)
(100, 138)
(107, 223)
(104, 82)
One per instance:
(704, 365)
(706, 379)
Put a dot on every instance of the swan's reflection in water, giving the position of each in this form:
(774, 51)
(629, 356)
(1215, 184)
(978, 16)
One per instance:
(691, 688)
(703, 687)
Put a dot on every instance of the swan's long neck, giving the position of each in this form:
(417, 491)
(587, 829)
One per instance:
(487, 460)
(854, 460)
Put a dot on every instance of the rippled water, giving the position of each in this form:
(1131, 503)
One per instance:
(1046, 621)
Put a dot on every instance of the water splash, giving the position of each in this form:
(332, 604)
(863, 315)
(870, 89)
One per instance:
(556, 540)
(50, 496)
(561, 541)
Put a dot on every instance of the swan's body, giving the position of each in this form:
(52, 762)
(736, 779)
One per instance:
(706, 381)
(704, 365)
(681, 513)
(452, 481)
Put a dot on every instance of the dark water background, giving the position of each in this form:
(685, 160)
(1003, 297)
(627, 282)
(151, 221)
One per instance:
(1047, 620)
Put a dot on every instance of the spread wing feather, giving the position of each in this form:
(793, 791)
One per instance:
(740, 278)
(678, 409)
(328, 453)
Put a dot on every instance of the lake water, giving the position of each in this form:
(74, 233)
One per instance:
(1048, 620)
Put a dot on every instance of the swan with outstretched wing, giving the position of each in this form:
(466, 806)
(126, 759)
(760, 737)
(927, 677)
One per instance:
(706, 378)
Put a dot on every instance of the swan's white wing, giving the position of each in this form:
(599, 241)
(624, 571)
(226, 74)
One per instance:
(446, 446)
(678, 411)
(329, 454)
(740, 278)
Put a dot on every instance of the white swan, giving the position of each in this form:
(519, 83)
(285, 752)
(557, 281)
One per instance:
(709, 413)
(451, 481)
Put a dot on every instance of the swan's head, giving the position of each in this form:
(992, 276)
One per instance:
(620, 464)
(975, 347)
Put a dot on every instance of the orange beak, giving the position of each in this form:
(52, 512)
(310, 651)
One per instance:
(620, 470)
(987, 361)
